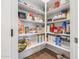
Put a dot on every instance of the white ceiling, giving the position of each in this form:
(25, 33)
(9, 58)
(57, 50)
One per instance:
(38, 3)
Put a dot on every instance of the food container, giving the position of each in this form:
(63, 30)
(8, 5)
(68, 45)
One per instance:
(21, 45)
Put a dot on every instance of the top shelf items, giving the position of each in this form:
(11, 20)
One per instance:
(24, 6)
(56, 10)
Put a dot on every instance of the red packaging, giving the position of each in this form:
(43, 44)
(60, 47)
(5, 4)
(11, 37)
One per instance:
(30, 14)
(59, 29)
(56, 4)
(53, 28)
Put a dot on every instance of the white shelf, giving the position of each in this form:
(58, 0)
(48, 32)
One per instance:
(66, 48)
(67, 5)
(26, 7)
(24, 20)
(62, 47)
(58, 34)
(29, 34)
(58, 21)
(38, 44)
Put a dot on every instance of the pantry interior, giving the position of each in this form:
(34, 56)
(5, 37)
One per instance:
(43, 25)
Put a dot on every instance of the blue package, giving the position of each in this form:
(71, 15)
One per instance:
(58, 40)
(64, 24)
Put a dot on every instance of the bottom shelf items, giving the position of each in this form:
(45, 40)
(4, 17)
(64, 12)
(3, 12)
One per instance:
(39, 46)
(31, 50)
(36, 43)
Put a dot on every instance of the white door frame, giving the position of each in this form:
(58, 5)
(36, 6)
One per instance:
(14, 26)
(74, 28)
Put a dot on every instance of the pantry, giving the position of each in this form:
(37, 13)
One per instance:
(42, 26)
(46, 26)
